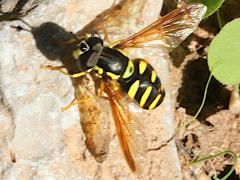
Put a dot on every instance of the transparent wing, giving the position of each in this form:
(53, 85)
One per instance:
(94, 113)
(115, 20)
(168, 31)
(129, 129)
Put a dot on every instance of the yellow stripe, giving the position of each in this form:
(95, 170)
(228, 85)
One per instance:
(112, 76)
(154, 103)
(145, 96)
(129, 70)
(133, 89)
(142, 66)
(153, 76)
(98, 69)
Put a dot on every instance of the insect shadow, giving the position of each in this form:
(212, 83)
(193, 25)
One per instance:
(51, 40)
(55, 43)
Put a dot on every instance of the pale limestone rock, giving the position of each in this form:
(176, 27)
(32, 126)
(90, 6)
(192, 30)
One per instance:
(49, 144)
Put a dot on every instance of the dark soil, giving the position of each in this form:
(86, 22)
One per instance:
(215, 129)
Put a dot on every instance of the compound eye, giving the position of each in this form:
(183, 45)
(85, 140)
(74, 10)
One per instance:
(83, 46)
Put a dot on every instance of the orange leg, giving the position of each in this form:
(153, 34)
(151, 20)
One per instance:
(59, 68)
(101, 89)
(77, 101)
(52, 67)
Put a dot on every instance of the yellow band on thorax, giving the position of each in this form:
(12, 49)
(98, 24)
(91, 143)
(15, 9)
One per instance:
(98, 69)
(112, 76)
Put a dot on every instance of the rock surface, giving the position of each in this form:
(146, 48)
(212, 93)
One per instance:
(37, 141)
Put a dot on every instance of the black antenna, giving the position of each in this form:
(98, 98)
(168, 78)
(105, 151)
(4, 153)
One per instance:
(20, 28)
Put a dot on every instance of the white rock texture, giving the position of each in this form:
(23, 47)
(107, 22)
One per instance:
(37, 140)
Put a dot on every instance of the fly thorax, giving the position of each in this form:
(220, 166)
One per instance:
(113, 63)
(87, 52)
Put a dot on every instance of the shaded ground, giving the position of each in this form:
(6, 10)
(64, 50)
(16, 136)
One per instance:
(217, 129)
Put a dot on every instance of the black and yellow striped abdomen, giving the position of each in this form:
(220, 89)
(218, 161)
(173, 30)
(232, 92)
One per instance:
(143, 85)
(136, 77)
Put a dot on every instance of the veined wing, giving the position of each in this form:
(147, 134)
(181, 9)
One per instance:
(129, 129)
(168, 31)
(115, 20)
(94, 113)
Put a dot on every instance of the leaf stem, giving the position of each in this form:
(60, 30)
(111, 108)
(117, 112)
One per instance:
(216, 155)
(204, 96)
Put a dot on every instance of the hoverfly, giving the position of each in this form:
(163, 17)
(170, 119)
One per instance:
(120, 78)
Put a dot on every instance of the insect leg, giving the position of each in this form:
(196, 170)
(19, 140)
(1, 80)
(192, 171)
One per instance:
(101, 88)
(59, 68)
(52, 67)
(77, 101)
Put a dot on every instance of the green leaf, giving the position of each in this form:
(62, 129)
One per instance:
(224, 54)
(212, 5)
